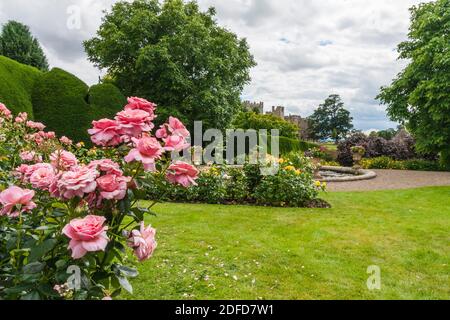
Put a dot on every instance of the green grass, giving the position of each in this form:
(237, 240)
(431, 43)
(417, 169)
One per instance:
(238, 252)
(330, 146)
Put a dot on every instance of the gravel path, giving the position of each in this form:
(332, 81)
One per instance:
(394, 179)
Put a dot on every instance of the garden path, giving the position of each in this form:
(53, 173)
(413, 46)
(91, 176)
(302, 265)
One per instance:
(393, 180)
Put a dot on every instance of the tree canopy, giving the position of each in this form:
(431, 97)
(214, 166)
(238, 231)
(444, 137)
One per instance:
(419, 96)
(330, 120)
(252, 120)
(175, 55)
(17, 43)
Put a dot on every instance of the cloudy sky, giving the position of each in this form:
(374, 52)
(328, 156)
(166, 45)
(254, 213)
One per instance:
(305, 49)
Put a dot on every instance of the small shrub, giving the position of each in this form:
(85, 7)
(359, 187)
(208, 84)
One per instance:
(210, 188)
(287, 188)
(236, 184)
(412, 164)
(382, 163)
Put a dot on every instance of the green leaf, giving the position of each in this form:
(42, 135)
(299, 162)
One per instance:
(39, 251)
(126, 271)
(125, 283)
(33, 295)
(34, 267)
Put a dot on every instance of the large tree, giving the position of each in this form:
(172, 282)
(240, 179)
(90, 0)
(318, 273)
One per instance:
(176, 55)
(419, 97)
(17, 43)
(330, 120)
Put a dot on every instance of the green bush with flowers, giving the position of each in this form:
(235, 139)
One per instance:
(71, 220)
(291, 185)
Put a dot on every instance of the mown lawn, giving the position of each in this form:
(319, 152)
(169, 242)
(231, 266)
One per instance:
(238, 252)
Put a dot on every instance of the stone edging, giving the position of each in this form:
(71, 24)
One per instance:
(364, 174)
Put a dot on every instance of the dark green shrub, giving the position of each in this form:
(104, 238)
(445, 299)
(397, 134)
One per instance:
(286, 189)
(59, 101)
(288, 145)
(422, 165)
(412, 164)
(16, 85)
(210, 188)
(106, 100)
(253, 176)
(251, 120)
(67, 105)
(236, 184)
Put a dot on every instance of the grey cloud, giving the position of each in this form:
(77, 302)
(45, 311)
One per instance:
(298, 73)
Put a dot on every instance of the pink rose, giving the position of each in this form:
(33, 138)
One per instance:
(182, 173)
(143, 242)
(66, 141)
(105, 133)
(106, 166)
(30, 156)
(176, 143)
(87, 235)
(5, 111)
(22, 117)
(77, 182)
(15, 196)
(24, 172)
(112, 186)
(147, 150)
(35, 125)
(162, 133)
(134, 122)
(63, 160)
(135, 103)
(49, 135)
(177, 128)
(42, 177)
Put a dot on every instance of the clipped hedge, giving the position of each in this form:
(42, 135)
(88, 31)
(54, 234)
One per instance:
(106, 100)
(16, 85)
(288, 145)
(67, 105)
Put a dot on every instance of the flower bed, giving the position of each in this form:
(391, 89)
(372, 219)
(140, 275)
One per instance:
(293, 185)
(70, 217)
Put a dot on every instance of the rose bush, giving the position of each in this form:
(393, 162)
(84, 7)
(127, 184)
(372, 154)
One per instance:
(70, 218)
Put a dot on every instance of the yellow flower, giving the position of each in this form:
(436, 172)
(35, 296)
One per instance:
(281, 160)
(324, 185)
(81, 143)
(299, 172)
(318, 184)
(290, 168)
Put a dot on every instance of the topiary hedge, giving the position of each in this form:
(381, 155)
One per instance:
(67, 105)
(16, 85)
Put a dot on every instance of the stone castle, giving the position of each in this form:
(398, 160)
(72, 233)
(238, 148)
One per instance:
(279, 111)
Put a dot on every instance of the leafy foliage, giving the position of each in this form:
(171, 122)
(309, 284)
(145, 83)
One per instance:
(400, 148)
(412, 164)
(330, 120)
(288, 187)
(17, 43)
(175, 55)
(255, 121)
(419, 95)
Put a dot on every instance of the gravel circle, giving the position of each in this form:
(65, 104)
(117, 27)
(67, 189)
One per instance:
(394, 180)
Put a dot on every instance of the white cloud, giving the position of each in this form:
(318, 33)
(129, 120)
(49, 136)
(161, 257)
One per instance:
(305, 49)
